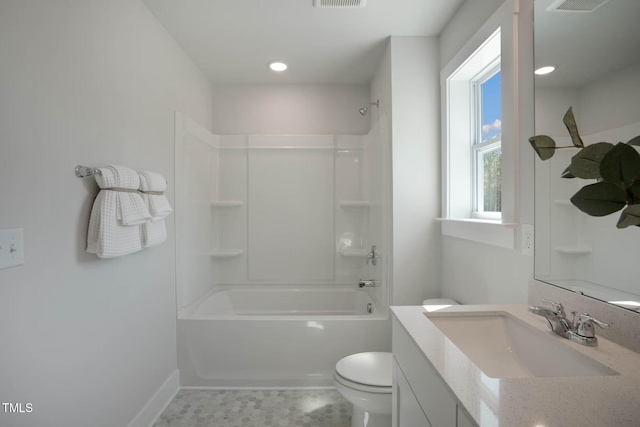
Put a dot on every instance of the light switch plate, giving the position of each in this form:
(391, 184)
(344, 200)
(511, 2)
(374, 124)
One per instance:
(11, 248)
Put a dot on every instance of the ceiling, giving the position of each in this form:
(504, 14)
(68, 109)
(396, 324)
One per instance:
(585, 46)
(234, 40)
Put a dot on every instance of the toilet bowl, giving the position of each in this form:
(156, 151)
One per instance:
(364, 379)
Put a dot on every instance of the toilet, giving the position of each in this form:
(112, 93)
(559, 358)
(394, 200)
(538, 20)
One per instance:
(364, 379)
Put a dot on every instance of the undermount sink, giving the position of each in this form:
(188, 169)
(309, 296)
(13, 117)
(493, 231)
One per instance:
(503, 346)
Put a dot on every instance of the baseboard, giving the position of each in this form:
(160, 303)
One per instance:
(150, 413)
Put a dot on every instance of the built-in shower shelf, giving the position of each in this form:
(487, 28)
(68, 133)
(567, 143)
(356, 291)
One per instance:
(226, 203)
(573, 250)
(354, 203)
(354, 252)
(226, 253)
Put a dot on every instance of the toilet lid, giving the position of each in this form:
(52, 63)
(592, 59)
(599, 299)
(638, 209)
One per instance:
(372, 368)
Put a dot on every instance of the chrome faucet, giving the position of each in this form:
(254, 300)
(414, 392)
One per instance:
(367, 284)
(373, 255)
(581, 331)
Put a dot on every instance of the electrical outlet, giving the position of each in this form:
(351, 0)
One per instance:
(11, 248)
(527, 239)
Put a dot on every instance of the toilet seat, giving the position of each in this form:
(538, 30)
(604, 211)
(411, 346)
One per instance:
(361, 387)
(370, 371)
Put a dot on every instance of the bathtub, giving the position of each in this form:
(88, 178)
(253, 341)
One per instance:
(276, 336)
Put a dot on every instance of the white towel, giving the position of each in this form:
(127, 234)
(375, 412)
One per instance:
(154, 232)
(158, 204)
(116, 215)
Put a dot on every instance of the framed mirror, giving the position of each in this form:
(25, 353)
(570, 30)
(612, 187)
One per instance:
(594, 46)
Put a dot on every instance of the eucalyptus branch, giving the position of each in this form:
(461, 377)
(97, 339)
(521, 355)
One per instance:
(615, 167)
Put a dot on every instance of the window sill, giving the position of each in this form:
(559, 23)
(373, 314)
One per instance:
(489, 232)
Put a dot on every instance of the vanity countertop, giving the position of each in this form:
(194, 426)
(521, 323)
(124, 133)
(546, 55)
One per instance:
(536, 402)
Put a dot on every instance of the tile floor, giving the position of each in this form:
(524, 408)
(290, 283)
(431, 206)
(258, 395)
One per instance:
(257, 408)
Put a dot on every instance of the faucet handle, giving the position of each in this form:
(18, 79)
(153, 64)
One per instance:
(557, 307)
(585, 325)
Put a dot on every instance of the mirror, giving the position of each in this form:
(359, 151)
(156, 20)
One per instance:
(596, 55)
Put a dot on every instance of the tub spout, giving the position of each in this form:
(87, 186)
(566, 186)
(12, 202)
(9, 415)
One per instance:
(366, 283)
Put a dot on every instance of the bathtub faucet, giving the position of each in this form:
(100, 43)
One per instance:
(373, 255)
(366, 283)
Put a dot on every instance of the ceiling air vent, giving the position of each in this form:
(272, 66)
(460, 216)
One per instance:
(576, 5)
(339, 4)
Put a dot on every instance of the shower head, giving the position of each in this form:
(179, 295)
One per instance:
(364, 109)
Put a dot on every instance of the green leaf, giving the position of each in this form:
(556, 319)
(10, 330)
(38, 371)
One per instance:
(634, 191)
(566, 173)
(586, 164)
(600, 199)
(629, 216)
(635, 141)
(544, 145)
(621, 165)
(572, 127)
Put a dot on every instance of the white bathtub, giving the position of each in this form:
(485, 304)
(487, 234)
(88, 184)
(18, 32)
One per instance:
(280, 336)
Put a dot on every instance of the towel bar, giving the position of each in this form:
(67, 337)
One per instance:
(84, 171)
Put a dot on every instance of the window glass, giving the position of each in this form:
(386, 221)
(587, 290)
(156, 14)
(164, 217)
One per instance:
(487, 144)
(491, 108)
(491, 163)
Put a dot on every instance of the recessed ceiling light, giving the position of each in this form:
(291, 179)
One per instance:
(278, 66)
(545, 70)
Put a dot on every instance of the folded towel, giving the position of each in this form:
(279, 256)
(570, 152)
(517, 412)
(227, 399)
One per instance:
(116, 214)
(154, 232)
(158, 204)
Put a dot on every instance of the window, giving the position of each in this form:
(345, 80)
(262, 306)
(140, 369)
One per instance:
(486, 144)
(483, 127)
(473, 146)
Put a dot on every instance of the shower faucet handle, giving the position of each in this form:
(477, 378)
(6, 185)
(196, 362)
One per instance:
(557, 307)
(373, 255)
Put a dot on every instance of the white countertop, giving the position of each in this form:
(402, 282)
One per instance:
(599, 401)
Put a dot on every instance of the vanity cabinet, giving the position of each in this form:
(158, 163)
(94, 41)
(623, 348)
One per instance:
(406, 409)
(420, 396)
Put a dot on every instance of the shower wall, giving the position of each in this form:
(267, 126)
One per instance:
(279, 209)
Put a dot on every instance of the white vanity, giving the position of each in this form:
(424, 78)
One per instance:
(499, 365)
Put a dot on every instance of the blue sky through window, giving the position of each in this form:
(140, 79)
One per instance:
(491, 108)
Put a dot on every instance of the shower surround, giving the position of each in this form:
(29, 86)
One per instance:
(272, 232)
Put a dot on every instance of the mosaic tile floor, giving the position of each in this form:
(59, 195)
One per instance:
(257, 408)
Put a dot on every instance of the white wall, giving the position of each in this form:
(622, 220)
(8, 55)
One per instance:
(86, 341)
(415, 168)
(472, 272)
(379, 154)
(463, 25)
(290, 109)
(380, 88)
(406, 83)
(610, 102)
